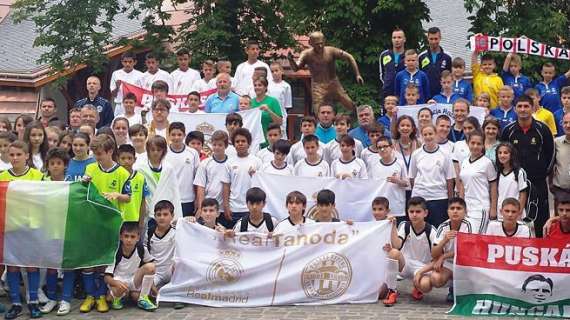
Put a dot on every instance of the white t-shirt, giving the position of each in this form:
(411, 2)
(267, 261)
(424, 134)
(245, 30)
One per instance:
(126, 268)
(269, 167)
(201, 85)
(508, 187)
(416, 246)
(304, 169)
(430, 171)
(287, 224)
(132, 77)
(210, 175)
(244, 76)
(141, 159)
(237, 175)
(37, 161)
(162, 249)
(5, 165)
(495, 228)
(332, 150)
(355, 167)
(447, 147)
(148, 79)
(443, 228)
(369, 157)
(396, 194)
(261, 228)
(185, 164)
(134, 119)
(297, 152)
(282, 92)
(182, 81)
(265, 155)
(476, 177)
(460, 151)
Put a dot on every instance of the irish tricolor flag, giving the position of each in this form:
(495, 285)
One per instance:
(56, 225)
(501, 276)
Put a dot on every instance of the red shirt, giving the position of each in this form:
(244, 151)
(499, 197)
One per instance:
(557, 233)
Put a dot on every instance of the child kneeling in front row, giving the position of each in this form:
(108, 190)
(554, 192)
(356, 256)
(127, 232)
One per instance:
(133, 272)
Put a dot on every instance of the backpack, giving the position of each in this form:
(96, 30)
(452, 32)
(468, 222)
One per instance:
(408, 229)
(149, 234)
(119, 255)
(266, 218)
(531, 205)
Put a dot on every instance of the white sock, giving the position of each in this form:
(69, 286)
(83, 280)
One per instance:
(391, 273)
(146, 285)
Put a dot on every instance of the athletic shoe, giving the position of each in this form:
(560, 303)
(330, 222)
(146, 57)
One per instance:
(14, 312)
(450, 298)
(2, 308)
(42, 296)
(117, 304)
(34, 310)
(48, 307)
(145, 304)
(102, 305)
(64, 308)
(87, 304)
(179, 305)
(417, 294)
(391, 299)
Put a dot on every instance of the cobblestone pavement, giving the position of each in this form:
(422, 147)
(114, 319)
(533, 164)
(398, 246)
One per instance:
(432, 307)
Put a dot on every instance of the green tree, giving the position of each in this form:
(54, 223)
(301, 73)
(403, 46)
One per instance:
(542, 20)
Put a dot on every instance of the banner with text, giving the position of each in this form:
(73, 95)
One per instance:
(144, 97)
(499, 276)
(517, 45)
(321, 263)
(438, 109)
(353, 196)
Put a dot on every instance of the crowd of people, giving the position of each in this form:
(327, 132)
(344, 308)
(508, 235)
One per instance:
(452, 174)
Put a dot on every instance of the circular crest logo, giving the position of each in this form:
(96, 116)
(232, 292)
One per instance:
(226, 269)
(326, 277)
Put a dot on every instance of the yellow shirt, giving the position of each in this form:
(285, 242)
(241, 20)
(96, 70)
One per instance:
(32, 174)
(544, 115)
(490, 83)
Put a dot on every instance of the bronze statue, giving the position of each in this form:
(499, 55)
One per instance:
(320, 59)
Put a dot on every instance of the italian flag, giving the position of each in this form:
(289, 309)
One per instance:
(499, 276)
(60, 225)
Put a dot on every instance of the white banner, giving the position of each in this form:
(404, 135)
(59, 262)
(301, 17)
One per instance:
(321, 263)
(522, 45)
(353, 196)
(438, 109)
(207, 123)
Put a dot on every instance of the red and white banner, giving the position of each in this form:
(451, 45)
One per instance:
(502, 276)
(144, 97)
(518, 45)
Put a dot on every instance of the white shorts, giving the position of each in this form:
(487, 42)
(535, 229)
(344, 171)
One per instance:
(479, 219)
(130, 285)
(162, 278)
(411, 268)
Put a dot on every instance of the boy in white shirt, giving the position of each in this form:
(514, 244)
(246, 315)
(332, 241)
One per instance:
(212, 171)
(296, 203)
(185, 161)
(370, 155)
(153, 73)
(348, 165)
(129, 104)
(256, 220)
(313, 165)
(193, 102)
(281, 90)
(127, 74)
(239, 172)
(161, 241)
(184, 77)
(273, 134)
(132, 275)
(308, 127)
(410, 249)
(138, 135)
(209, 80)
(392, 170)
(244, 71)
(279, 165)
(332, 149)
(442, 129)
(225, 66)
(510, 226)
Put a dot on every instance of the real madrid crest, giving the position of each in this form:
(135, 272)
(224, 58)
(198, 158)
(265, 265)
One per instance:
(225, 270)
(327, 276)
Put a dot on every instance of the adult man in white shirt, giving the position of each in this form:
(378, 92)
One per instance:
(244, 72)
(154, 73)
(184, 77)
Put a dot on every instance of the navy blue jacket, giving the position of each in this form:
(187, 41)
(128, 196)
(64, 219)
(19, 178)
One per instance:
(433, 69)
(388, 71)
(104, 108)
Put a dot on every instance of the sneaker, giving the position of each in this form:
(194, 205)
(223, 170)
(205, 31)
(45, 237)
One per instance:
(48, 307)
(179, 305)
(145, 304)
(34, 310)
(417, 294)
(102, 305)
(3, 292)
(14, 312)
(42, 296)
(64, 308)
(391, 299)
(450, 297)
(87, 304)
(2, 308)
(117, 304)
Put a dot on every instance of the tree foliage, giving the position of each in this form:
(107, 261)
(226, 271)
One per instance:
(547, 21)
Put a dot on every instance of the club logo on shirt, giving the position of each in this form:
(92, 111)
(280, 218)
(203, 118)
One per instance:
(425, 62)
(326, 277)
(113, 184)
(320, 174)
(386, 60)
(533, 140)
(354, 173)
(515, 141)
(226, 269)
(207, 129)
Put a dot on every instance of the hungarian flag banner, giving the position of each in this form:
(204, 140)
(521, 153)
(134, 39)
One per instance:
(144, 97)
(521, 45)
(499, 276)
(59, 225)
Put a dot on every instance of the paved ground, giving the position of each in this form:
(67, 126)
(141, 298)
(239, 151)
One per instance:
(433, 307)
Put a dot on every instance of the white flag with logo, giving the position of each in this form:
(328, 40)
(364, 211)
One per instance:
(321, 263)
